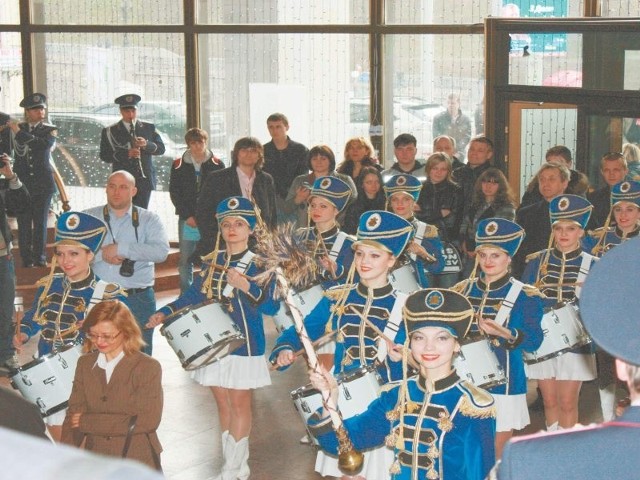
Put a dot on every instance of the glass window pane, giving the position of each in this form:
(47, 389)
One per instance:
(620, 8)
(9, 13)
(424, 12)
(546, 59)
(423, 71)
(82, 73)
(293, 12)
(113, 12)
(10, 73)
(244, 78)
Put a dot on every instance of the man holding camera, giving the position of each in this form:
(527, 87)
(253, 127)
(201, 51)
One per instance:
(13, 196)
(135, 241)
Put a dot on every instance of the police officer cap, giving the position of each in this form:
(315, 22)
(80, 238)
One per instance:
(130, 100)
(609, 302)
(438, 307)
(34, 100)
(80, 229)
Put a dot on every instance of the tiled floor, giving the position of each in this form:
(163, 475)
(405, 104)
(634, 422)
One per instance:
(189, 430)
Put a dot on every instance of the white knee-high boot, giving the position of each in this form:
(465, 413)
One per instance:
(236, 459)
(608, 402)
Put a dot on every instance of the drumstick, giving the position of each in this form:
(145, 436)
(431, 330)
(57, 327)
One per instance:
(319, 341)
(381, 334)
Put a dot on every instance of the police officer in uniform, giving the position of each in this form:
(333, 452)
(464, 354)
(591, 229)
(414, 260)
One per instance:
(129, 144)
(33, 143)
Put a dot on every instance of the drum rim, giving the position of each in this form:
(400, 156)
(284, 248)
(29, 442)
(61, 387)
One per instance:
(37, 361)
(189, 308)
(236, 337)
(340, 378)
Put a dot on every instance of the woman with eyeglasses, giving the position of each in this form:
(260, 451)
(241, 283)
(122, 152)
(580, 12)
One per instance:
(63, 299)
(116, 402)
(492, 198)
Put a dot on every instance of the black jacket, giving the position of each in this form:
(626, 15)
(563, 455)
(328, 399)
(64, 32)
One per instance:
(466, 177)
(601, 201)
(33, 157)
(12, 202)
(440, 196)
(285, 165)
(116, 142)
(536, 223)
(217, 186)
(184, 185)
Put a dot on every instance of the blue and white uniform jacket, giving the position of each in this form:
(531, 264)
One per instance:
(322, 244)
(594, 244)
(245, 309)
(523, 321)
(57, 314)
(432, 244)
(356, 342)
(443, 430)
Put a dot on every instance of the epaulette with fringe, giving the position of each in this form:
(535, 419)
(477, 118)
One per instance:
(477, 402)
(461, 286)
(531, 291)
(113, 290)
(599, 232)
(43, 281)
(431, 231)
(337, 291)
(534, 255)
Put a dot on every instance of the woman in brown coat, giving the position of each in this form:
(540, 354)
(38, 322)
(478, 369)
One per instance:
(116, 389)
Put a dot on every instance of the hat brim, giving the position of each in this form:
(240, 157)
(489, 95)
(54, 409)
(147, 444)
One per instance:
(71, 243)
(371, 243)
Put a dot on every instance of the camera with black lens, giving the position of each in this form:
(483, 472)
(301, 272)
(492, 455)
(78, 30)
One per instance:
(127, 267)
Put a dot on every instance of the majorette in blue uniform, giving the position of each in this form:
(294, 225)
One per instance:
(559, 276)
(603, 239)
(515, 306)
(61, 304)
(333, 242)
(357, 344)
(439, 428)
(246, 309)
(425, 235)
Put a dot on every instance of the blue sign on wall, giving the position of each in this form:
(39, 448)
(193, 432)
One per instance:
(537, 42)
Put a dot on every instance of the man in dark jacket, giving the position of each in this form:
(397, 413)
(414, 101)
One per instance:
(243, 178)
(613, 168)
(478, 160)
(13, 198)
(129, 144)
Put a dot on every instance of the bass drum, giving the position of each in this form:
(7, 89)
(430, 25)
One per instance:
(202, 334)
(47, 381)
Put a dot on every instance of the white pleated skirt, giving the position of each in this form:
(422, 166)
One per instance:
(377, 462)
(512, 412)
(234, 371)
(569, 366)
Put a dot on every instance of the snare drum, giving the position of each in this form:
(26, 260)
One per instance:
(202, 334)
(47, 381)
(304, 301)
(478, 363)
(563, 331)
(404, 279)
(356, 390)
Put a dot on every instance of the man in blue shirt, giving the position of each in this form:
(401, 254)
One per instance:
(135, 241)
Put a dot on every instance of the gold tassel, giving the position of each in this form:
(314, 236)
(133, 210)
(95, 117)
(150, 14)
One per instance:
(395, 467)
(391, 439)
(432, 474)
(433, 451)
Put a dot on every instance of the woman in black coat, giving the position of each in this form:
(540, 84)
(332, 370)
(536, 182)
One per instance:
(370, 197)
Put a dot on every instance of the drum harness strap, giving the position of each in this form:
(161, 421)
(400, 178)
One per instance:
(393, 324)
(585, 265)
(98, 294)
(421, 227)
(242, 266)
(337, 245)
(508, 302)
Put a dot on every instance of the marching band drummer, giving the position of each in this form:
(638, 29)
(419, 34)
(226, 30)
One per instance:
(625, 210)
(233, 377)
(331, 247)
(559, 273)
(425, 251)
(509, 312)
(439, 425)
(63, 299)
(356, 311)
